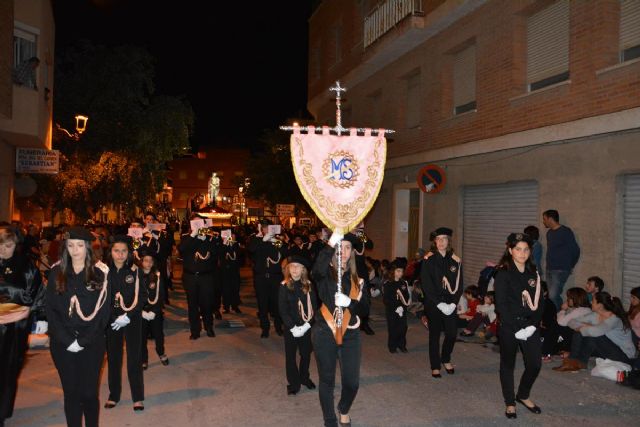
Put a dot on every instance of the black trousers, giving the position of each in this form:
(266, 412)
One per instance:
(531, 353)
(217, 291)
(397, 330)
(80, 377)
(439, 323)
(267, 287)
(132, 334)
(13, 346)
(199, 290)
(297, 374)
(327, 355)
(230, 286)
(164, 277)
(156, 327)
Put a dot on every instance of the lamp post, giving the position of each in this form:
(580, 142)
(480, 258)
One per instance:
(241, 201)
(81, 126)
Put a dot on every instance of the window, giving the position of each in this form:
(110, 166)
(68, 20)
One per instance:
(413, 101)
(548, 46)
(464, 80)
(629, 30)
(25, 42)
(182, 175)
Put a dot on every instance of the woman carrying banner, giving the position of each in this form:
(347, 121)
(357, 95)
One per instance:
(20, 294)
(441, 278)
(78, 311)
(519, 304)
(331, 342)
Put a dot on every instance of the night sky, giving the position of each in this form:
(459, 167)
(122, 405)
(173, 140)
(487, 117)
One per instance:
(258, 50)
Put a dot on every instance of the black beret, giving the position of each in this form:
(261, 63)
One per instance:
(514, 238)
(399, 262)
(299, 260)
(442, 231)
(79, 233)
(123, 238)
(265, 221)
(353, 239)
(144, 251)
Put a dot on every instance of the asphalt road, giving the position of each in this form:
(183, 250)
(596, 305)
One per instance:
(238, 379)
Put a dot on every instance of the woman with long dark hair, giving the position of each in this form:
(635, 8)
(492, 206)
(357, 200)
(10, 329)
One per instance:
(297, 305)
(519, 304)
(77, 309)
(129, 297)
(329, 341)
(605, 332)
(441, 279)
(21, 293)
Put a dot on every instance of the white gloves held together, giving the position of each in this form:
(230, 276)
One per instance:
(400, 311)
(298, 331)
(341, 300)
(148, 315)
(74, 347)
(447, 309)
(525, 333)
(120, 322)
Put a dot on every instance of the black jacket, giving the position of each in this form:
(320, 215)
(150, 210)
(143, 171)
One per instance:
(390, 292)
(288, 304)
(514, 314)
(432, 272)
(124, 282)
(261, 252)
(21, 282)
(199, 256)
(154, 285)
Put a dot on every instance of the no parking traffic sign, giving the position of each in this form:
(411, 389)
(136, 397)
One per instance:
(431, 179)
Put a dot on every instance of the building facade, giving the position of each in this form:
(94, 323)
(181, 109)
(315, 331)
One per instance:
(526, 105)
(27, 30)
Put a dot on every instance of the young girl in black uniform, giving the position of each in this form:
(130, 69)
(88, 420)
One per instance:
(329, 342)
(21, 288)
(396, 301)
(441, 278)
(78, 308)
(519, 305)
(230, 266)
(153, 320)
(297, 305)
(128, 298)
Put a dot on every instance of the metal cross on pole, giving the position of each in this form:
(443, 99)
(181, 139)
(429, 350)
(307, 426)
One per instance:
(337, 89)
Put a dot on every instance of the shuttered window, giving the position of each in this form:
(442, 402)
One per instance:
(629, 29)
(464, 80)
(490, 214)
(631, 237)
(413, 101)
(548, 46)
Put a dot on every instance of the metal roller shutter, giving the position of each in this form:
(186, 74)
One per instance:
(629, 24)
(548, 42)
(631, 237)
(490, 214)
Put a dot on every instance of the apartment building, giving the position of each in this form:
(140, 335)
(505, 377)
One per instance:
(524, 105)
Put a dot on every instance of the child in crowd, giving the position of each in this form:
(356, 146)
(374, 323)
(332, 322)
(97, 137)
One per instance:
(485, 315)
(594, 285)
(152, 315)
(396, 300)
(470, 295)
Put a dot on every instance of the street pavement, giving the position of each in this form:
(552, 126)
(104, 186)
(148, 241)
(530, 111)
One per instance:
(238, 379)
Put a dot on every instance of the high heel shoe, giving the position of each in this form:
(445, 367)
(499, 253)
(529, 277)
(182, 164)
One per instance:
(535, 408)
(344, 424)
(138, 406)
(510, 415)
(110, 404)
(450, 371)
(434, 375)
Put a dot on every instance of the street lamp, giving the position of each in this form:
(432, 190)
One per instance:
(81, 126)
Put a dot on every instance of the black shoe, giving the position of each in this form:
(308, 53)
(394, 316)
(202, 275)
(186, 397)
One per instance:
(145, 365)
(210, 332)
(110, 404)
(450, 371)
(510, 415)
(164, 360)
(535, 408)
(404, 349)
(367, 329)
(309, 384)
(194, 336)
(347, 424)
(265, 333)
(138, 406)
(217, 315)
(438, 375)
(291, 392)
(393, 350)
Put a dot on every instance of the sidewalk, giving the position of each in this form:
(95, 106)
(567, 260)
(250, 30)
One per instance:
(238, 379)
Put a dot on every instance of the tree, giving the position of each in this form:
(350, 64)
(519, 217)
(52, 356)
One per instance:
(132, 131)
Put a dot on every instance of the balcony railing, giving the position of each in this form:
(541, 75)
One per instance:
(386, 15)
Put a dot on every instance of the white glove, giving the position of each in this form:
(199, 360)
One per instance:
(148, 315)
(525, 333)
(267, 237)
(194, 233)
(375, 293)
(296, 331)
(341, 300)
(74, 347)
(335, 238)
(447, 309)
(120, 322)
(400, 311)
(42, 326)
(201, 237)
(304, 328)
(452, 308)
